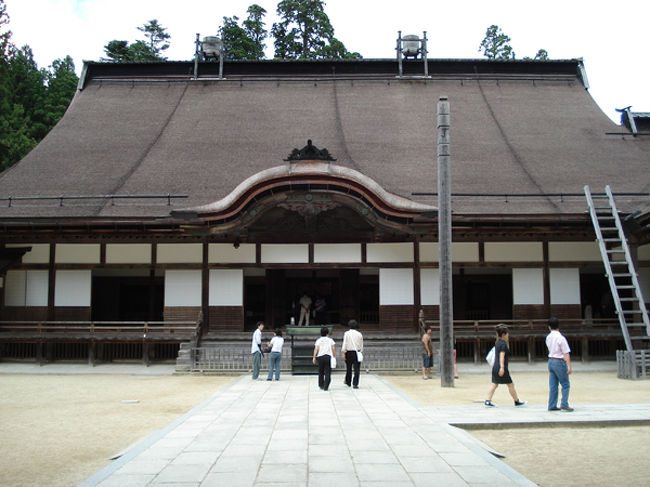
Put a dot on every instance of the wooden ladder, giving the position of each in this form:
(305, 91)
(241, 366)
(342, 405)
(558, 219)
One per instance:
(619, 268)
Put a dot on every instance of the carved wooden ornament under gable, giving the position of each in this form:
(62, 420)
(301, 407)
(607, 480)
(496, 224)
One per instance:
(310, 153)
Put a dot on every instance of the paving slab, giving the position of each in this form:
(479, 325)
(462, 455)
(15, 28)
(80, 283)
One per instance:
(291, 433)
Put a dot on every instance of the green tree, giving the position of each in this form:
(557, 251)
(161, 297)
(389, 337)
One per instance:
(156, 38)
(141, 51)
(32, 100)
(256, 29)
(496, 45)
(62, 84)
(22, 122)
(245, 41)
(5, 35)
(118, 52)
(305, 32)
(542, 55)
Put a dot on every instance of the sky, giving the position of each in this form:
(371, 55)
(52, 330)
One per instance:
(609, 36)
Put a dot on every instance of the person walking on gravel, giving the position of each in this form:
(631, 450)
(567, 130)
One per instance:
(500, 373)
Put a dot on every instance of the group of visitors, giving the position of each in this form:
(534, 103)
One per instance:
(274, 346)
(324, 354)
(559, 367)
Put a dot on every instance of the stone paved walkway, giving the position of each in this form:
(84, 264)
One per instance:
(291, 433)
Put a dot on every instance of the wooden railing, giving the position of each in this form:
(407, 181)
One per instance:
(526, 328)
(141, 334)
(99, 330)
(482, 333)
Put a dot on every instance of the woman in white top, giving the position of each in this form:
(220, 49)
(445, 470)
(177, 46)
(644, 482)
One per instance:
(324, 350)
(276, 354)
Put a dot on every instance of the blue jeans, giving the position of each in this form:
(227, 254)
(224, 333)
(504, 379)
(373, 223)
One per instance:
(257, 360)
(274, 363)
(557, 374)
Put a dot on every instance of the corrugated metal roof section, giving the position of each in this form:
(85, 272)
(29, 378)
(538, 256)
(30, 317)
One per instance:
(334, 69)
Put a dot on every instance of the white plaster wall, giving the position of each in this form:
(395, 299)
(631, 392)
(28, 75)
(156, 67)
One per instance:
(182, 288)
(395, 286)
(527, 286)
(389, 252)
(513, 252)
(430, 286)
(285, 253)
(333, 253)
(225, 253)
(72, 288)
(565, 286)
(644, 252)
(226, 287)
(128, 253)
(15, 288)
(179, 253)
(40, 253)
(460, 251)
(573, 251)
(77, 254)
(37, 288)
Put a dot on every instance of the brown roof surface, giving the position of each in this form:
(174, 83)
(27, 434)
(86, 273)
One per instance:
(511, 132)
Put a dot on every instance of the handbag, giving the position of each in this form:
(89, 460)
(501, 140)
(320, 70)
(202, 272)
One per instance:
(490, 357)
(359, 356)
(333, 362)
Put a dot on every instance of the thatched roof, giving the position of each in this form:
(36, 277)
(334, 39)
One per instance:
(516, 128)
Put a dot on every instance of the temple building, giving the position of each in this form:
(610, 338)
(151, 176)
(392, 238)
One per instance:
(172, 191)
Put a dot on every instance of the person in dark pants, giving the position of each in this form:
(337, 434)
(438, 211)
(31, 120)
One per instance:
(500, 373)
(324, 350)
(352, 344)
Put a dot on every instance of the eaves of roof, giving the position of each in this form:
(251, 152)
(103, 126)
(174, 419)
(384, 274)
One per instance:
(335, 69)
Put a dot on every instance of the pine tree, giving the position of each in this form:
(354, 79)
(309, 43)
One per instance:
(305, 32)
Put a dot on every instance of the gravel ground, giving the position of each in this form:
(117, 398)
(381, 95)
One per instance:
(60, 429)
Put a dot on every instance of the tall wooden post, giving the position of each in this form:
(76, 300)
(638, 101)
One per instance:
(444, 242)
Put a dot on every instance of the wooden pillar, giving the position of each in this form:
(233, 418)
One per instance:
(205, 289)
(417, 285)
(51, 286)
(39, 353)
(444, 242)
(145, 353)
(91, 353)
(546, 275)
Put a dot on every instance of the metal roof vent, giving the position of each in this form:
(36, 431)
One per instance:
(412, 46)
(210, 48)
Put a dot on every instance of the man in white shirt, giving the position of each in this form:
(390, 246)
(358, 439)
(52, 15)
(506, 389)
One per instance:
(305, 309)
(352, 343)
(256, 349)
(559, 366)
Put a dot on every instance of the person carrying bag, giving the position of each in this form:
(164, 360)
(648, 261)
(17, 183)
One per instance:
(352, 351)
(324, 353)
